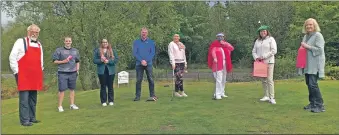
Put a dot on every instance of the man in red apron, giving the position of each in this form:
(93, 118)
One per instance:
(26, 62)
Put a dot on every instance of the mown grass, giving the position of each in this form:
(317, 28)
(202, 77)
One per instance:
(240, 113)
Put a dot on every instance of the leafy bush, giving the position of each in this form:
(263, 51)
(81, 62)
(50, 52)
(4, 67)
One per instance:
(245, 62)
(8, 88)
(332, 72)
(332, 55)
(284, 67)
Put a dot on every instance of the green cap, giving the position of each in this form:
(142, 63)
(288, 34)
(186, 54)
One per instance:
(263, 27)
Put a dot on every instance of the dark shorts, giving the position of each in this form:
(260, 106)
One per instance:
(67, 80)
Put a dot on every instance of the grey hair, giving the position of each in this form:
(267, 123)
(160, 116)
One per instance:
(33, 26)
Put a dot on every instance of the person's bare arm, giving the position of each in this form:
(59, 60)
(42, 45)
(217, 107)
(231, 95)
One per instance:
(61, 62)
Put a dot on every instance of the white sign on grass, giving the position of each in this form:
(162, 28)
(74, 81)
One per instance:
(123, 77)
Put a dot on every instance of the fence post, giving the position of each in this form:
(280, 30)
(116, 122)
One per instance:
(166, 74)
(198, 74)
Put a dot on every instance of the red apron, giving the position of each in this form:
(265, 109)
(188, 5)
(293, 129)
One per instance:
(30, 76)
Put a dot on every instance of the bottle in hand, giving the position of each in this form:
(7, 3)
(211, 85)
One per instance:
(69, 57)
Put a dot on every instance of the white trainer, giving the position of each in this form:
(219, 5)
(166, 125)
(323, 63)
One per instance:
(272, 101)
(218, 97)
(104, 104)
(60, 109)
(184, 94)
(111, 103)
(74, 107)
(177, 94)
(265, 99)
(224, 96)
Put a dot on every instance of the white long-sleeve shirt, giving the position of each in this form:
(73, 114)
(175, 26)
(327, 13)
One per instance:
(18, 51)
(175, 54)
(265, 49)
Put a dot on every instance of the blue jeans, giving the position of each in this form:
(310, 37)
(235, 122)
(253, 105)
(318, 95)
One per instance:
(140, 75)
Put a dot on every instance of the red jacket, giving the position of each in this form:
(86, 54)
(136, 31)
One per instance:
(213, 51)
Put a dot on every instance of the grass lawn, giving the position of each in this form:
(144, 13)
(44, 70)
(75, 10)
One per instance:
(241, 112)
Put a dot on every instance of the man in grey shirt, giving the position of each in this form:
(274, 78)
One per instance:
(68, 60)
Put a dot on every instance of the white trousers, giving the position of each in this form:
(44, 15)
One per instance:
(220, 81)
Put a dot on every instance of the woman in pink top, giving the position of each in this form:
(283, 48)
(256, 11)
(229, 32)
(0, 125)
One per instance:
(177, 56)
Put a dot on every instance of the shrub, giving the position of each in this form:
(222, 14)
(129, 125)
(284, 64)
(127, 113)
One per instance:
(284, 67)
(332, 72)
(8, 88)
(245, 62)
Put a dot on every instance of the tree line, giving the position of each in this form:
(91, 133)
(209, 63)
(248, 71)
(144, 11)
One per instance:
(120, 22)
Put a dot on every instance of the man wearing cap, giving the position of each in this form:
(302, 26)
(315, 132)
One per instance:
(264, 50)
(26, 62)
(219, 60)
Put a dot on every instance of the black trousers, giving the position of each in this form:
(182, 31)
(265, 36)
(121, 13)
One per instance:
(27, 104)
(106, 80)
(314, 96)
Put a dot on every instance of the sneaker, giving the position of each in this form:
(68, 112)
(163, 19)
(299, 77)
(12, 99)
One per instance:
(136, 99)
(265, 99)
(60, 109)
(26, 124)
(104, 104)
(74, 107)
(35, 121)
(154, 98)
(224, 96)
(177, 94)
(308, 107)
(318, 109)
(218, 97)
(272, 101)
(111, 103)
(183, 94)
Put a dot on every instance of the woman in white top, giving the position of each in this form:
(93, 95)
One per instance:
(176, 53)
(264, 50)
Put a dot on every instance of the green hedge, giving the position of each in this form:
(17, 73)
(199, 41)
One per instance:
(332, 72)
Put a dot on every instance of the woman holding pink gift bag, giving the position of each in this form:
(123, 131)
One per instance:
(264, 50)
(314, 43)
(106, 60)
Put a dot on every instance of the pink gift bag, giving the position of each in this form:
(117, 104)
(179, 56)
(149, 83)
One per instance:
(301, 58)
(260, 69)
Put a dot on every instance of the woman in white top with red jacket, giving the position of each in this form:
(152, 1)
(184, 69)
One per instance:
(177, 56)
(220, 61)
